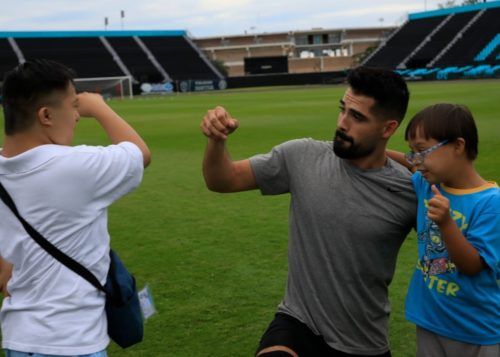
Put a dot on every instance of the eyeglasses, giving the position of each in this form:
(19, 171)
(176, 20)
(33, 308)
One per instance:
(417, 158)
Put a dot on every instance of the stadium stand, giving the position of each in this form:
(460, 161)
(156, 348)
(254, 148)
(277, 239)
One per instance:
(308, 51)
(488, 49)
(459, 42)
(402, 43)
(135, 59)
(146, 56)
(181, 58)
(486, 28)
(155, 58)
(318, 64)
(76, 53)
(8, 58)
(433, 46)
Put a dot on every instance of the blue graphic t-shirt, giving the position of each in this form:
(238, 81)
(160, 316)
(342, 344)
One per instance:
(440, 298)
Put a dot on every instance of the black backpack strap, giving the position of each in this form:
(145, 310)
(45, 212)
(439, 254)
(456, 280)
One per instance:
(69, 262)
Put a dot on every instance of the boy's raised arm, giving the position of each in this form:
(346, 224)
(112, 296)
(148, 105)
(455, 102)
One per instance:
(399, 157)
(117, 129)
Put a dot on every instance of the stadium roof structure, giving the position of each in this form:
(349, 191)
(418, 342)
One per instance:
(453, 10)
(73, 34)
(318, 30)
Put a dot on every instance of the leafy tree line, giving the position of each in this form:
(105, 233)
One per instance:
(453, 3)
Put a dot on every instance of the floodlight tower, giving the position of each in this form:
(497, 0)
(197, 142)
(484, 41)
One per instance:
(122, 16)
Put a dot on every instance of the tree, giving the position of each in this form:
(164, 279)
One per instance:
(453, 3)
(472, 2)
(447, 4)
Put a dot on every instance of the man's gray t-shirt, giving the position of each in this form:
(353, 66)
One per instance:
(346, 226)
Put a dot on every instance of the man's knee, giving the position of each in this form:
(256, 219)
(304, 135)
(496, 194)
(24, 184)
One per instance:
(277, 351)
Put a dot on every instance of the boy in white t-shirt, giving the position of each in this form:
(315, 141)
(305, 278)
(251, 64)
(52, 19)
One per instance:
(64, 193)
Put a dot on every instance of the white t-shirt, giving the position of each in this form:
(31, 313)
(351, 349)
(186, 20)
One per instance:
(64, 193)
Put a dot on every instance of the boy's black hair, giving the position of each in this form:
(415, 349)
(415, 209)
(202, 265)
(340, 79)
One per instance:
(387, 87)
(27, 86)
(445, 121)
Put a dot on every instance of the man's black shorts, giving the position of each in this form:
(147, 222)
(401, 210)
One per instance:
(287, 331)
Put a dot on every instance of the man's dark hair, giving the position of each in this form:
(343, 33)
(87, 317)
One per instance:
(26, 87)
(446, 121)
(386, 87)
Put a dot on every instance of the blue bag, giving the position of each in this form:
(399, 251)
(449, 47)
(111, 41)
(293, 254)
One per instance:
(123, 310)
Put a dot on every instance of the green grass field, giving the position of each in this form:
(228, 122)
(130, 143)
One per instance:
(217, 263)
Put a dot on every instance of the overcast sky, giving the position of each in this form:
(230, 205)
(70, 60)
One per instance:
(203, 18)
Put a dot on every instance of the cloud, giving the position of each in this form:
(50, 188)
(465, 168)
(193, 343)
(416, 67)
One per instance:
(203, 17)
(379, 10)
(224, 5)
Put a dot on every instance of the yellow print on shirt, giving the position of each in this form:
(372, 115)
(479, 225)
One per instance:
(442, 286)
(435, 260)
(457, 216)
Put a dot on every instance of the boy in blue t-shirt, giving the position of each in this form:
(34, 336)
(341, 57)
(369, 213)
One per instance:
(454, 295)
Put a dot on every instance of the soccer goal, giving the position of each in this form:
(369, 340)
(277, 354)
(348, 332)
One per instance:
(108, 87)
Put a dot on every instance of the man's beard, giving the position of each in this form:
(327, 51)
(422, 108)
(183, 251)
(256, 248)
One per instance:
(345, 147)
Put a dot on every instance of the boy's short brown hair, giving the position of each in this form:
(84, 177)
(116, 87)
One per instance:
(445, 121)
(29, 86)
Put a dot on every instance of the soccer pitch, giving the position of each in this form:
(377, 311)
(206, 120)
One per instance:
(216, 263)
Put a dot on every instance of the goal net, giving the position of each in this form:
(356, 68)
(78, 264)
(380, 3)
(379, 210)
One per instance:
(108, 87)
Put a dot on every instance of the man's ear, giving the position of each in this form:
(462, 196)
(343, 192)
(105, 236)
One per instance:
(43, 116)
(389, 128)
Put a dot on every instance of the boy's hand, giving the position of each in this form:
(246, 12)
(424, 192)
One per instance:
(439, 207)
(218, 124)
(89, 104)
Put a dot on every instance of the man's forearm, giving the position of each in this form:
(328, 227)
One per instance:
(217, 166)
(220, 172)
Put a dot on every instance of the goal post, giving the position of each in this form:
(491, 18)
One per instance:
(108, 87)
